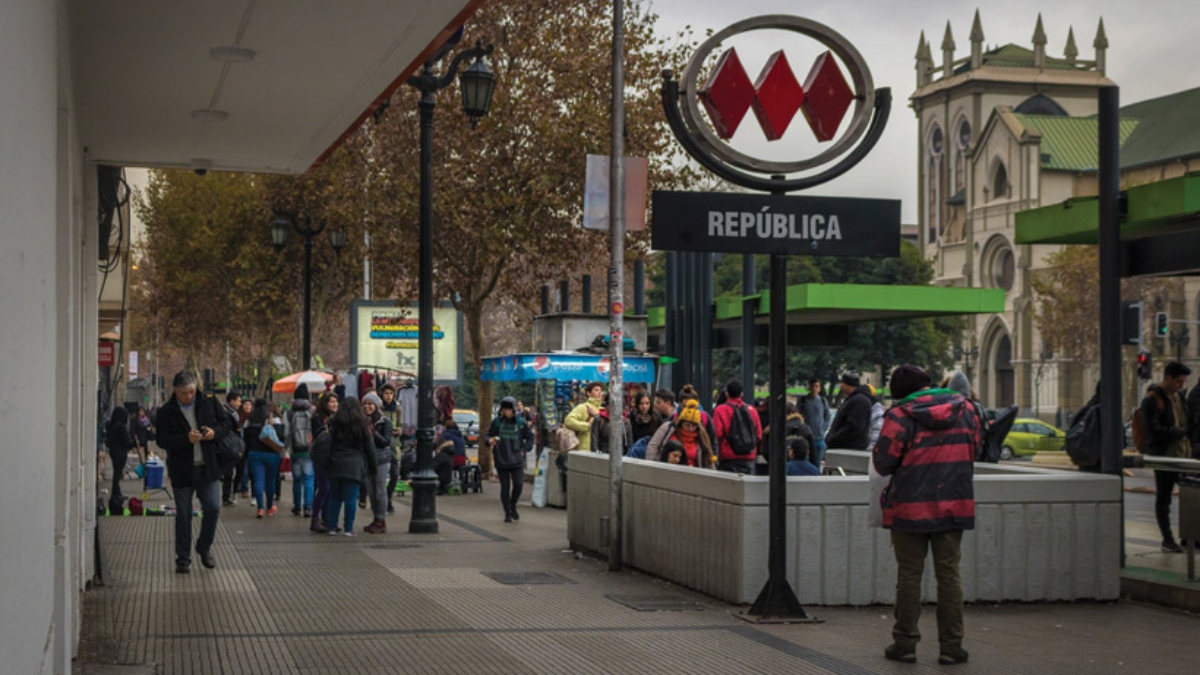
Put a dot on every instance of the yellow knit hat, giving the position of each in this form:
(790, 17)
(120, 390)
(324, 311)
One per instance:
(690, 413)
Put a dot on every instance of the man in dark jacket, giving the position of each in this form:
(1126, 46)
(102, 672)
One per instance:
(510, 439)
(851, 427)
(189, 427)
(1165, 418)
(927, 445)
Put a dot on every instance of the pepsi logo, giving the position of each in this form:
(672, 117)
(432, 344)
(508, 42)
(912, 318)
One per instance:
(541, 364)
(603, 366)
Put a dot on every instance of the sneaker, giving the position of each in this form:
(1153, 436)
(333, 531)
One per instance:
(1171, 547)
(952, 658)
(308, 513)
(295, 510)
(333, 533)
(895, 652)
(260, 514)
(348, 533)
(273, 510)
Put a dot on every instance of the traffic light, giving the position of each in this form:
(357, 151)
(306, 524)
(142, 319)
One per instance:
(1143, 363)
(1160, 325)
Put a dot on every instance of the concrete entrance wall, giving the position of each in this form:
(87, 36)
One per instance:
(1040, 534)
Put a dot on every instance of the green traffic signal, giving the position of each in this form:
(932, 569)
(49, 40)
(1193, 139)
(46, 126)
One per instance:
(1160, 325)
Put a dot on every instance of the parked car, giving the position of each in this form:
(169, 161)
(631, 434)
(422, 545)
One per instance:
(1031, 436)
(468, 423)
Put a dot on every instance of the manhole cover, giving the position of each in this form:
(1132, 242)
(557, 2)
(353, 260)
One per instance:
(392, 547)
(527, 578)
(658, 603)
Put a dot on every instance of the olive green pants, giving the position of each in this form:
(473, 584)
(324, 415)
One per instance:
(911, 549)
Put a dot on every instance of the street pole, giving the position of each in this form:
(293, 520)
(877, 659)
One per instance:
(1111, 431)
(306, 357)
(748, 284)
(616, 287)
(424, 482)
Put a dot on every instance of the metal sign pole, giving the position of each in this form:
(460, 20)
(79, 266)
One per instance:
(616, 287)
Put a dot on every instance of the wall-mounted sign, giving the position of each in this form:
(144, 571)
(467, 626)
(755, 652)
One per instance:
(581, 367)
(750, 223)
(106, 354)
(385, 335)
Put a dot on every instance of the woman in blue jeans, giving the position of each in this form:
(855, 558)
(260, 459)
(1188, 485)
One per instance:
(352, 459)
(263, 447)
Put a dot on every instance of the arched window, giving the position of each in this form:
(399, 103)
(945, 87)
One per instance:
(934, 180)
(1040, 104)
(962, 142)
(1000, 187)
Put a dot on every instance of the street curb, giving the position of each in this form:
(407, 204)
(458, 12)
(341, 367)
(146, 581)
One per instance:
(1160, 588)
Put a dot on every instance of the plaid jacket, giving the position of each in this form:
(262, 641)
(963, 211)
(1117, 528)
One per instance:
(927, 446)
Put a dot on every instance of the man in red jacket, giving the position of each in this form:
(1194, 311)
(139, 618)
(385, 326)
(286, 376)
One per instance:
(727, 458)
(927, 445)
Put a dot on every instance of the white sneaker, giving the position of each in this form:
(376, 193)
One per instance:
(334, 532)
(348, 534)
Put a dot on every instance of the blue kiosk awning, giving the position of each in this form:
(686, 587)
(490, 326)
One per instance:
(567, 366)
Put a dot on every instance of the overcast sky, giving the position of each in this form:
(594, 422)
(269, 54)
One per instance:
(1152, 51)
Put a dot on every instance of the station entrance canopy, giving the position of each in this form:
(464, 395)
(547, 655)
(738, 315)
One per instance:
(1160, 226)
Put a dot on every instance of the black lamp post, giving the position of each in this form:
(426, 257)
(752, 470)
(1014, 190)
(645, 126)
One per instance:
(477, 84)
(966, 355)
(283, 222)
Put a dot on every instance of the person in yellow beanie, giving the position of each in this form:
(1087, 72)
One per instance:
(690, 433)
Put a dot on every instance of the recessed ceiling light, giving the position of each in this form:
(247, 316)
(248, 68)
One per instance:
(210, 115)
(232, 54)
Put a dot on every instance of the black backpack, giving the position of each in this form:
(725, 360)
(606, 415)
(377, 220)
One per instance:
(743, 435)
(302, 431)
(1083, 439)
(994, 434)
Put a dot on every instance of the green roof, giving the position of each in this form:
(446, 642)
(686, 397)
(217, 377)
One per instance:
(1070, 143)
(1012, 56)
(1168, 128)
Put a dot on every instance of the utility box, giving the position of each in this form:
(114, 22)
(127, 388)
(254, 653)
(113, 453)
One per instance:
(571, 332)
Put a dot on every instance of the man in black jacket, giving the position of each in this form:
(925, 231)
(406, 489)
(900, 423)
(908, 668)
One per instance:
(188, 429)
(1165, 418)
(851, 427)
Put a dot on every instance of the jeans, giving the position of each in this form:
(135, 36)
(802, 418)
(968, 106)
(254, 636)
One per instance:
(736, 466)
(209, 492)
(302, 473)
(265, 467)
(515, 477)
(818, 453)
(242, 480)
(910, 549)
(343, 491)
(1164, 484)
(379, 494)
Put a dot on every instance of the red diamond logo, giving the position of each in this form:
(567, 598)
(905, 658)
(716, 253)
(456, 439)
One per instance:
(778, 96)
(728, 94)
(828, 97)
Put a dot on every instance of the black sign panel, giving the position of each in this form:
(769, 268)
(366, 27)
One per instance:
(756, 223)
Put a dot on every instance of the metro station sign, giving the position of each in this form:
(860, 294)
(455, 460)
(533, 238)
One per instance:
(749, 223)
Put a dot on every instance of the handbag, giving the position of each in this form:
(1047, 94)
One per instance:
(230, 450)
(566, 440)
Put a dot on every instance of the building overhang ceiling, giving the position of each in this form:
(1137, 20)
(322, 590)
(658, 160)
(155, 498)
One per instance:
(142, 69)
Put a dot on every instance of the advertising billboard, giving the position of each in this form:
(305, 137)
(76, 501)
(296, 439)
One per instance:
(384, 335)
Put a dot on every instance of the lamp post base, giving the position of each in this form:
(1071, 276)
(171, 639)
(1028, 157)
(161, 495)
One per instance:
(424, 504)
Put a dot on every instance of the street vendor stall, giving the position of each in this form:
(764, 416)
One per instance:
(558, 376)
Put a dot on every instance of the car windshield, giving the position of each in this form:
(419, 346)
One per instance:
(463, 419)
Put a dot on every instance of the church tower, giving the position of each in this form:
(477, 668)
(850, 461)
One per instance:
(982, 118)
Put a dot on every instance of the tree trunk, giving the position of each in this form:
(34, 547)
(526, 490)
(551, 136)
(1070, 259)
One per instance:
(474, 314)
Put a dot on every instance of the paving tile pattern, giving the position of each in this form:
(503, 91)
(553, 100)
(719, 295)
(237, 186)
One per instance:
(283, 600)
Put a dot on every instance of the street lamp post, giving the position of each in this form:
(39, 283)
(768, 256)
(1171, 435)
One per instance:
(284, 222)
(966, 355)
(477, 83)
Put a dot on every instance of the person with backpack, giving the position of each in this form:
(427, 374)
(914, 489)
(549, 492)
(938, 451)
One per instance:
(1160, 428)
(264, 448)
(851, 427)
(300, 438)
(1083, 436)
(928, 446)
(738, 431)
(510, 438)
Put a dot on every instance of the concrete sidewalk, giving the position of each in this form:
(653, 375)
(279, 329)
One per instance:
(483, 596)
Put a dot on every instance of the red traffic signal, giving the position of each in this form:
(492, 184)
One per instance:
(1143, 365)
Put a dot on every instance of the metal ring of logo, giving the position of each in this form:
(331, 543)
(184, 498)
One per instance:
(861, 75)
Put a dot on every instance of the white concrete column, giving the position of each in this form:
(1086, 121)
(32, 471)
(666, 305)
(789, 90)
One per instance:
(28, 336)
